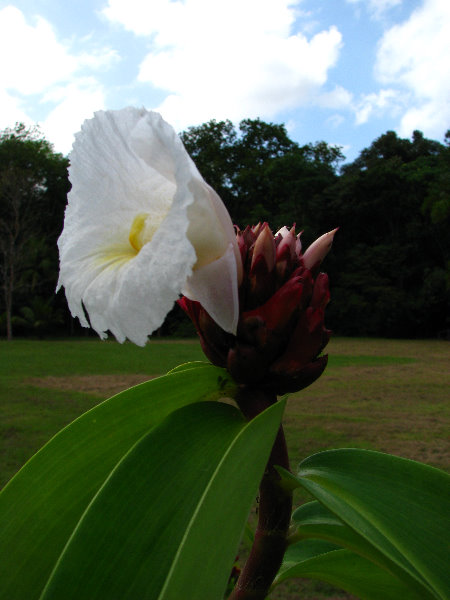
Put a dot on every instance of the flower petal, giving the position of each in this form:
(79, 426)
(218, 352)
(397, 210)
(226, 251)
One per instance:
(220, 300)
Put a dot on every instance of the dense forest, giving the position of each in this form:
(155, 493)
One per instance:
(389, 267)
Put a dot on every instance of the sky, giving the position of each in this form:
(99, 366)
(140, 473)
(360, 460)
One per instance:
(342, 71)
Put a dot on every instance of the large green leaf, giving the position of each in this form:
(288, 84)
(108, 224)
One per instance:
(167, 523)
(400, 507)
(315, 559)
(315, 521)
(42, 504)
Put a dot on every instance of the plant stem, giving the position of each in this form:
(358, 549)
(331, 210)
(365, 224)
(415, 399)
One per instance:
(275, 506)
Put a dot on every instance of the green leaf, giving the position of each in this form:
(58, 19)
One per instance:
(195, 364)
(167, 523)
(302, 551)
(317, 522)
(42, 504)
(400, 507)
(315, 559)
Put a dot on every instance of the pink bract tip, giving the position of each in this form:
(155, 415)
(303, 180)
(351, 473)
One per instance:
(315, 254)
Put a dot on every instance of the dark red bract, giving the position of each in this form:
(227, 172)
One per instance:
(281, 331)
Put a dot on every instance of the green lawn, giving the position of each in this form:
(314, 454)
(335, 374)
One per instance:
(386, 395)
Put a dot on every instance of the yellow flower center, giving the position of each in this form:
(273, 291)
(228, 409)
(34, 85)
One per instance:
(136, 231)
(143, 229)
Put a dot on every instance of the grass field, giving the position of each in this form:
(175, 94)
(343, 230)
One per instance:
(384, 395)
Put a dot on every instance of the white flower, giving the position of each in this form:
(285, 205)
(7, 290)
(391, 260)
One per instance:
(141, 227)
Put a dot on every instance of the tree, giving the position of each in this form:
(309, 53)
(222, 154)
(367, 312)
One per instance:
(211, 147)
(258, 147)
(437, 201)
(389, 262)
(33, 188)
(258, 171)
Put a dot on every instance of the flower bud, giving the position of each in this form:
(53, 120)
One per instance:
(281, 331)
(262, 265)
(286, 251)
(315, 254)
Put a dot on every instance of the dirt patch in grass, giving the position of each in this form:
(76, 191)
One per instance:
(399, 409)
(102, 386)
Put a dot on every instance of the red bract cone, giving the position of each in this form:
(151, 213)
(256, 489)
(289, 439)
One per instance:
(281, 331)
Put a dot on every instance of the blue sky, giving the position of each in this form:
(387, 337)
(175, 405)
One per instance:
(343, 71)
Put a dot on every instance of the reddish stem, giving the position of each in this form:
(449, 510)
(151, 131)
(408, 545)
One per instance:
(274, 515)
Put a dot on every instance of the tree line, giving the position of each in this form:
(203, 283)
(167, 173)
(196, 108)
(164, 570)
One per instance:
(389, 266)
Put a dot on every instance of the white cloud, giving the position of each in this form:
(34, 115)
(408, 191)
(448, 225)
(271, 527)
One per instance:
(227, 59)
(377, 8)
(75, 103)
(335, 121)
(413, 57)
(376, 104)
(181, 20)
(35, 59)
(38, 69)
(11, 111)
(337, 98)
